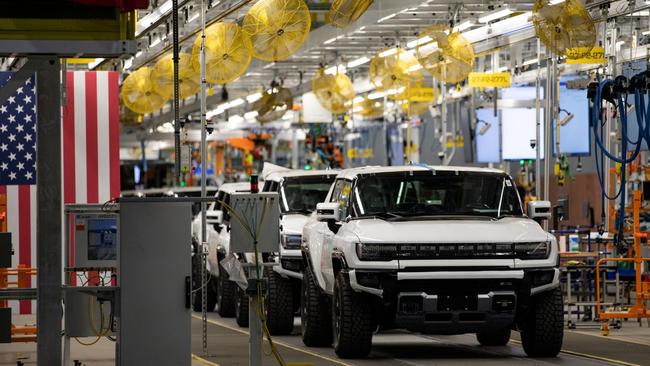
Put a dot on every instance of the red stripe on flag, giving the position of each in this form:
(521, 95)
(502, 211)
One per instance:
(114, 132)
(25, 244)
(69, 187)
(91, 137)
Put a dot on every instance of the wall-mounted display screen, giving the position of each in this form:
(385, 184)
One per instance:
(574, 135)
(518, 125)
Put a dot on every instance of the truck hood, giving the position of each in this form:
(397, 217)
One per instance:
(292, 223)
(448, 231)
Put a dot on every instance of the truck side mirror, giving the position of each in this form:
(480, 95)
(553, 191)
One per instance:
(214, 217)
(539, 210)
(328, 211)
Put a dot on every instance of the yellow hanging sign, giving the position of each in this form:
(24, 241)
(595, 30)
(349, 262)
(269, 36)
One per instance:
(489, 79)
(583, 55)
(418, 95)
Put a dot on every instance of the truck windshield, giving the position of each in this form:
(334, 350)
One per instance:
(301, 194)
(400, 195)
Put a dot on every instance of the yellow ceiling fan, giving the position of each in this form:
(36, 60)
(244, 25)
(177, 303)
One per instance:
(138, 93)
(334, 92)
(394, 69)
(277, 28)
(273, 104)
(446, 54)
(345, 12)
(228, 53)
(564, 25)
(162, 76)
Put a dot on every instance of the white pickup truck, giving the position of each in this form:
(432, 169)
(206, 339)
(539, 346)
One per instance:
(437, 250)
(220, 291)
(299, 192)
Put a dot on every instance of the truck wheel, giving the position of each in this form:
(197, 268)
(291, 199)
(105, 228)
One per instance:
(499, 337)
(315, 319)
(351, 321)
(241, 308)
(279, 304)
(543, 331)
(226, 293)
(196, 284)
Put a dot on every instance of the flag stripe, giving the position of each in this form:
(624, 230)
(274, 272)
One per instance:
(69, 188)
(91, 136)
(103, 136)
(13, 226)
(114, 133)
(80, 137)
(33, 200)
(25, 243)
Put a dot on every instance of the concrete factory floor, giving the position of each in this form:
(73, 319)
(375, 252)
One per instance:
(228, 345)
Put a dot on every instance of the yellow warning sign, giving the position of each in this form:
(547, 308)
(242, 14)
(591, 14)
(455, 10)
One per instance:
(489, 79)
(584, 55)
(417, 95)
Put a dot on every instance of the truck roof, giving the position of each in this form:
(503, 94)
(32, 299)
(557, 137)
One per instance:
(354, 172)
(279, 175)
(231, 188)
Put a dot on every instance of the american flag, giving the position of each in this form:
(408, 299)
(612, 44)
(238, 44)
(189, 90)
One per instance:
(90, 154)
(18, 172)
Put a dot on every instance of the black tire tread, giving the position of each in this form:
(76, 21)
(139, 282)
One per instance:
(279, 304)
(544, 330)
(241, 313)
(317, 328)
(355, 338)
(227, 301)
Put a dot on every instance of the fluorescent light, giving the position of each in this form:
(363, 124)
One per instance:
(155, 42)
(386, 18)
(251, 115)
(645, 33)
(154, 16)
(235, 103)
(331, 40)
(642, 13)
(193, 17)
(556, 2)
(333, 70)
(376, 95)
(530, 62)
(357, 99)
(138, 54)
(388, 52)
(418, 42)
(128, 63)
(357, 109)
(503, 68)
(236, 119)
(494, 15)
(95, 63)
(288, 116)
(464, 26)
(253, 97)
(358, 62)
(414, 68)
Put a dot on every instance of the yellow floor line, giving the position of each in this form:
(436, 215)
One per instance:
(203, 361)
(283, 344)
(589, 356)
(611, 337)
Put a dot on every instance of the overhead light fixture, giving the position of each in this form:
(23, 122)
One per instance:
(388, 52)
(414, 68)
(358, 62)
(253, 97)
(235, 103)
(485, 128)
(567, 118)
(494, 15)
(464, 26)
(418, 42)
(236, 119)
(530, 62)
(334, 69)
(153, 17)
(95, 63)
(376, 95)
(251, 114)
(357, 99)
(386, 18)
(193, 17)
(155, 42)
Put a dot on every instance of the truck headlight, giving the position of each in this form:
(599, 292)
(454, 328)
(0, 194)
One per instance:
(533, 250)
(376, 252)
(290, 241)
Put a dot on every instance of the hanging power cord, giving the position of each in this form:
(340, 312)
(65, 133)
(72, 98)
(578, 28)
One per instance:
(254, 234)
(616, 93)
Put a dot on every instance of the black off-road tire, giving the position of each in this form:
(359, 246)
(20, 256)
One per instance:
(241, 308)
(196, 283)
(543, 332)
(315, 313)
(226, 293)
(211, 287)
(499, 337)
(352, 323)
(278, 303)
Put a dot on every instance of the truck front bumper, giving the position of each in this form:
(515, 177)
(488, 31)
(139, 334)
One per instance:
(454, 302)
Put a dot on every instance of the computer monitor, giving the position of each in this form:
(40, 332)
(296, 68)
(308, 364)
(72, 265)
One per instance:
(96, 240)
